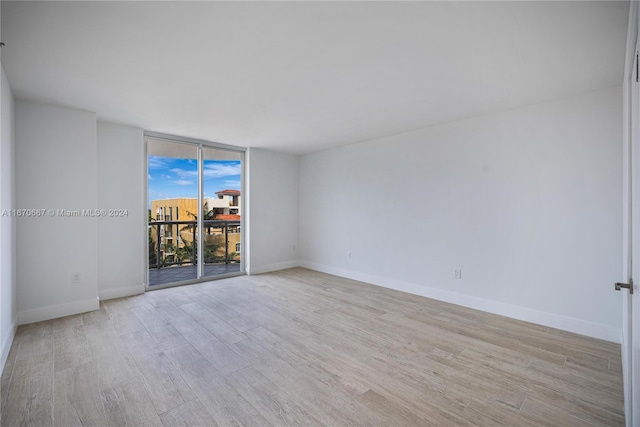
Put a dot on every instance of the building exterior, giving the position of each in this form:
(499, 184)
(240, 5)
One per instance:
(228, 202)
(175, 229)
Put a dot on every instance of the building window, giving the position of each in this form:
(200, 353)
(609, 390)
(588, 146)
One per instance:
(238, 247)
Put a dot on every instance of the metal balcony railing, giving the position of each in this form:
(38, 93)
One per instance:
(182, 247)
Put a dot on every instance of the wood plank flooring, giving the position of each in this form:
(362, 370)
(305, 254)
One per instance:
(298, 347)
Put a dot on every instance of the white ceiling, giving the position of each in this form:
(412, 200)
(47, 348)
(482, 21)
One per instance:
(305, 76)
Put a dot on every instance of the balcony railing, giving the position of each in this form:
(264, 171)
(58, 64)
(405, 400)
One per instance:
(181, 248)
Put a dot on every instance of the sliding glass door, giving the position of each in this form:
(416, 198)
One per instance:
(194, 211)
(221, 211)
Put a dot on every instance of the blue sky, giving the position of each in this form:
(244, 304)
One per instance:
(171, 178)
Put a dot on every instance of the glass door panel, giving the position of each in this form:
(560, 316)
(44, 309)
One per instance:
(173, 211)
(222, 210)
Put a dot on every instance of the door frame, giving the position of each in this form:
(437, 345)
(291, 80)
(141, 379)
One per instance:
(200, 144)
(631, 220)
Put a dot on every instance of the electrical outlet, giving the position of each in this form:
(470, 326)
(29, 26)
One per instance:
(75, 278)
(457, 273)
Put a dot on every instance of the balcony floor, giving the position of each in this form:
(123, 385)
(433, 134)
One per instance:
(181, 273)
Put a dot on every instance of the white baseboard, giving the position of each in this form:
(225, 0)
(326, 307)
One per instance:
(6, 345)
(59, 310)
(551, 320)
(126, 291)
(273, 267)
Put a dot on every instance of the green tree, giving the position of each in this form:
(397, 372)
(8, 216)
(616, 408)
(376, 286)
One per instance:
(209, 215)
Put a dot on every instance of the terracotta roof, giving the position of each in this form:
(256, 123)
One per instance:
(229, 192)
(228, 217)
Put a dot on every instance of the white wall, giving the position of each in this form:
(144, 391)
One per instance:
(8, 304)
(272, 183)
(121, 239)
(55, 160)
(526, 202)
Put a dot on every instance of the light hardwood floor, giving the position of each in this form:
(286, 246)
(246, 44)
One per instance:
(299, 347)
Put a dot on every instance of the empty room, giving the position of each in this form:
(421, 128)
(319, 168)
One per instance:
(340, 213)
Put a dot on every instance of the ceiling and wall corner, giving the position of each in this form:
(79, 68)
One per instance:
(305, 76)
